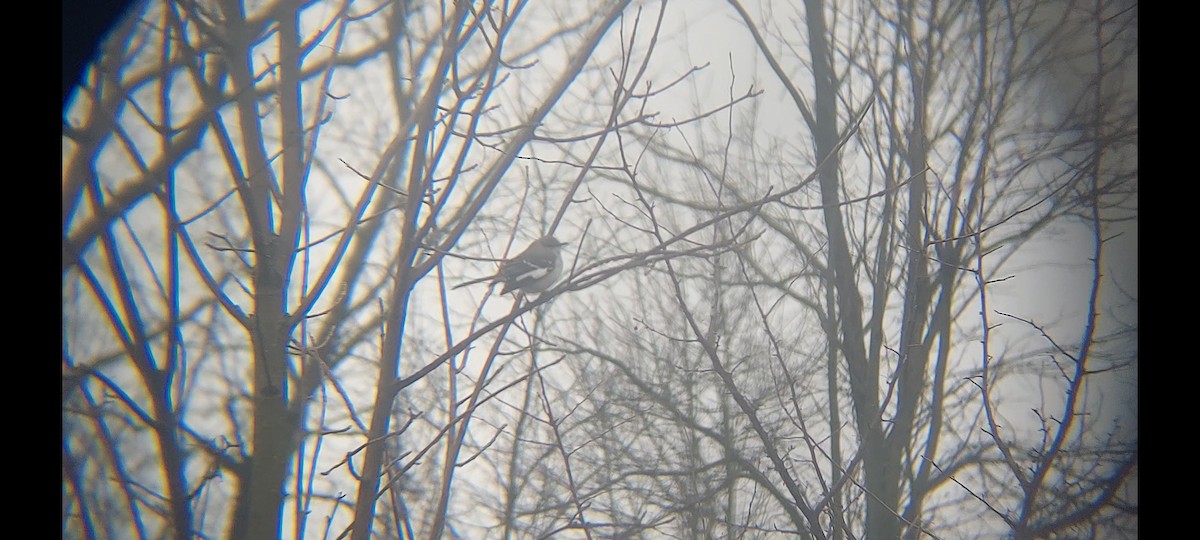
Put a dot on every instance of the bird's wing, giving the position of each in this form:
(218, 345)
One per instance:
(527, 268)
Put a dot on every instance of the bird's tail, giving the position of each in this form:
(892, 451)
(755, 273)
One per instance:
(473, 281)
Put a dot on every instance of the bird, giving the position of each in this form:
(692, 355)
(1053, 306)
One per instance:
(533, 271)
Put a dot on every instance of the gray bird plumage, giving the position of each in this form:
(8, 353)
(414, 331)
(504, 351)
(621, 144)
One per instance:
(533, 271)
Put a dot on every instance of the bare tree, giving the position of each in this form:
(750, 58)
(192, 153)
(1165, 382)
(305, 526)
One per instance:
(830, 376)
(778, 315)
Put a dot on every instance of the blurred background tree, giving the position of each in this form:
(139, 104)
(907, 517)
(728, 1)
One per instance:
(836, 270)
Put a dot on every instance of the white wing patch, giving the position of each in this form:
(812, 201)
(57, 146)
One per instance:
(528, 272)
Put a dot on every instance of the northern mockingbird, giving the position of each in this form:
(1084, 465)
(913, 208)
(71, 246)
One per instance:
(533, 271)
